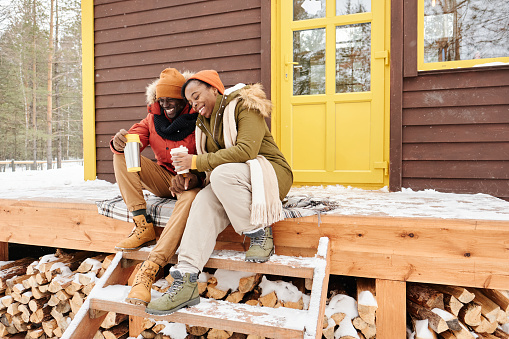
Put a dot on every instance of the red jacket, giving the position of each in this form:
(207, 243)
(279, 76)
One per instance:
(161, 147)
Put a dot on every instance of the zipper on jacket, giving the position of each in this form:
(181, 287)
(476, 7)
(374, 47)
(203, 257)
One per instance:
(210, 134)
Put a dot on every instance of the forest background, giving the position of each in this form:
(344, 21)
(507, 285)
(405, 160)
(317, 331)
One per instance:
(40, 88)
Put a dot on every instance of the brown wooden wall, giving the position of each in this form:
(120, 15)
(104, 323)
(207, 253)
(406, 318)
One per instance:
(449, 128)
(136, 39)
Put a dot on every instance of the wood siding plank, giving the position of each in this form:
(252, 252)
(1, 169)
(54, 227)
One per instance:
(457, 97)
(454, 79)
(456, 151)
(104, 8)
(183, 39)
(456, 133)
(457, 169)
(145, 15)
(456, 115)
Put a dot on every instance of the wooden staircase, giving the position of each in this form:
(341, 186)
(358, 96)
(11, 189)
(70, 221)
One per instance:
(110, 291)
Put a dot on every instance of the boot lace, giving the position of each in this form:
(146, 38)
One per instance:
(175, 288)
(258, 241)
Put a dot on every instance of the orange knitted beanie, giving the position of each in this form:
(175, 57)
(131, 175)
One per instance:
(170, 84)
(210, 77)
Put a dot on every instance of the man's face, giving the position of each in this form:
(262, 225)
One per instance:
(172, 107)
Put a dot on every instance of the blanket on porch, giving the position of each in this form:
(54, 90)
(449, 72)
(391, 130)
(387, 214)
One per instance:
(160, 209)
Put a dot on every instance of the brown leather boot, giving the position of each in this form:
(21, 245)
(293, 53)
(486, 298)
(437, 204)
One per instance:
(142, 234)
(142, 284)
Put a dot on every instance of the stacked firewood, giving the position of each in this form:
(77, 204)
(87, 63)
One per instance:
(457, 312)
(40, 298)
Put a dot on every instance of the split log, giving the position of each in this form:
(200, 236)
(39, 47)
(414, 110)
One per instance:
(25, 297)
(464, 333)
(13, 308)
(5, 301)
(425, 296)
(49, 326)
(5, 331)
(87, 289)
(501, 334)
(488, 308)
(73, 287)
(235, 297)
(299, 305)
(37, 294)
(158, 327)
(148, 334)
(213, 292)
(437, 323)
(120, 331)
(196, 330)
(6, 319)
(502, 317)
(25, 312)
(60, 283)
(147, 323)
(247, 284)
(34, 334)
(498, 298)
(338, 317)
(113, 319)
(452, 304)
(460, 293)
(43, 288)
(19, 323)
(98, 335)
(35, 304)
(42, 314)
(107, 261)
(368, 330)
(76, 302)
(218, 334)
(91, 264)
(268, 300)
(486, 326)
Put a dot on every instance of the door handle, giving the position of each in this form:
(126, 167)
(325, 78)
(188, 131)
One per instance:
(383, 55)
(288, 63)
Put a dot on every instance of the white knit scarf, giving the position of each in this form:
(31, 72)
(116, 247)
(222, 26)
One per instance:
(266, 208)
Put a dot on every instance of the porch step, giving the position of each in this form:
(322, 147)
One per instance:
(110, 292)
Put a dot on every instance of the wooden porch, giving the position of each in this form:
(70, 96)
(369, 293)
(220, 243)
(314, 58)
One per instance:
(388, 249)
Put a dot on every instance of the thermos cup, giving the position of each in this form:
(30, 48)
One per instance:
(180, 149)
(132, 153)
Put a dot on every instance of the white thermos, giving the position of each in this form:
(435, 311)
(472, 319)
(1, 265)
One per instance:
(132, 153)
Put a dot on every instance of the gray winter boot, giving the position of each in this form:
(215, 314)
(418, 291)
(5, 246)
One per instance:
(183, 292)
(261, 246)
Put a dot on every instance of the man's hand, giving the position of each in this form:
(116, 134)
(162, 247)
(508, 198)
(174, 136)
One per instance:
(119, 140)
(181, 183)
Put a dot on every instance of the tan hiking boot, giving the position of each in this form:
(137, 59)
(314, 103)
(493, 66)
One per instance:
(183, 292)
(143, 280)
(142, 234)
(261, 246)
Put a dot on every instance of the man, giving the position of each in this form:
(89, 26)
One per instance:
(170, 123)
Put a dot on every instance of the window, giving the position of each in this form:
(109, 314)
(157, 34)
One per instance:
(462, 33)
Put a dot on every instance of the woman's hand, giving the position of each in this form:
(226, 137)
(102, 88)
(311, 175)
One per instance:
(183, 182)
(182, 161)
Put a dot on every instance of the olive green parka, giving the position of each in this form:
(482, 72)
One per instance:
(253, 135)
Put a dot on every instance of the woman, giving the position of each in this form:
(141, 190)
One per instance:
(248, 175)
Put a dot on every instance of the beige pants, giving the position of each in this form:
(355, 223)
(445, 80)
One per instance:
(157, 180)
(227, 199)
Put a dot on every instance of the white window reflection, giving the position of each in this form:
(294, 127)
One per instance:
(353, 58)
(465, 30)
(308, 9)
(344, 7)
(309, 53)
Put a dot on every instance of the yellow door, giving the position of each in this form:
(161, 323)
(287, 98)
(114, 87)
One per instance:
(331, 74)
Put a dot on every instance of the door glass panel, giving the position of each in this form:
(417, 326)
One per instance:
(309, 53)
(353, 58)
(465, 30)
(308, 9)
(344, 7)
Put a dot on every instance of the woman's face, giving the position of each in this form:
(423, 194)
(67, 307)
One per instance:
(201, 98)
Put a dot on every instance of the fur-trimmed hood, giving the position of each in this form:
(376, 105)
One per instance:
(150, 91)
(253, 98)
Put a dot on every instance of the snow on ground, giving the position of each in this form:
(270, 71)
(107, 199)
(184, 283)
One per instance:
(67, 183)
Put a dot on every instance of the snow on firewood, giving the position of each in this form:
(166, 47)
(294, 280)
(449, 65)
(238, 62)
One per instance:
(422, 330)
(173, 330)
(366, 298)
(285, 291)
(229, 280)
(45, 259)
(346, 329)
(342, 303)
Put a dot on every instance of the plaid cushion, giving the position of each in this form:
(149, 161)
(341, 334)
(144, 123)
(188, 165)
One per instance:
(161, 208)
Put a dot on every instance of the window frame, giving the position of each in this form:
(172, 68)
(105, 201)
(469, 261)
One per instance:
(431, 66)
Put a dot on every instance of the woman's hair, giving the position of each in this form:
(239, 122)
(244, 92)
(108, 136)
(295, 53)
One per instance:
(188, 82)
